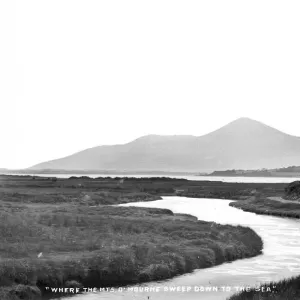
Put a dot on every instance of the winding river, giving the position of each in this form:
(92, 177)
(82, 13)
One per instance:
(280, 258)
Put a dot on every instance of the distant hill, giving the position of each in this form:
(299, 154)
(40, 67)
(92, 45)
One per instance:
(241, 144)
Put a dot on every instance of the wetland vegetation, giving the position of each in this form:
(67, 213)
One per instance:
(61, 232)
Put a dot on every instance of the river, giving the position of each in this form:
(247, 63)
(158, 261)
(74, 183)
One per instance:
(280, 258)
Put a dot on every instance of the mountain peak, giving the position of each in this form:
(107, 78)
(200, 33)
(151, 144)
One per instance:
(245, 126)
(245, 120)
(241, 144)
(247, 123)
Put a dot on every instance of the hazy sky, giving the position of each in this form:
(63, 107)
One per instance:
(76, 74)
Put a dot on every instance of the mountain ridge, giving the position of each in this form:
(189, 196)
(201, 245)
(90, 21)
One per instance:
(243, 143)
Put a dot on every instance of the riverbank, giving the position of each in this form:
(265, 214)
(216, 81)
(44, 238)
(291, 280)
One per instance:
(85, 246)
(107, 190)
(288, 289)
(50, 238)
(269, 207)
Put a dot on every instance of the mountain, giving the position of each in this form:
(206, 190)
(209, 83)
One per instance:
(241, 144)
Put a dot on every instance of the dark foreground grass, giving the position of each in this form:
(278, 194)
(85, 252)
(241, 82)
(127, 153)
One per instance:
(288, 289)
(265, 206)
(107, 246)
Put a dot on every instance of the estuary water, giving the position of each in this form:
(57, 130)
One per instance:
(280, 258)
(188, 177)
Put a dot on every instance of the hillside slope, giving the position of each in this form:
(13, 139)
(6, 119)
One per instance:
(242, 144)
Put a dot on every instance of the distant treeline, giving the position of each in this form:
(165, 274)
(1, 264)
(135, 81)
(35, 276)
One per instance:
(288, 171)
(129, 178)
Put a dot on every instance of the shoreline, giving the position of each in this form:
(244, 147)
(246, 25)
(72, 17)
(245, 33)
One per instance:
(44, 195)
(182, 217)
(185, 217)
(287, 289)
(269, 207)
(149, 246)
